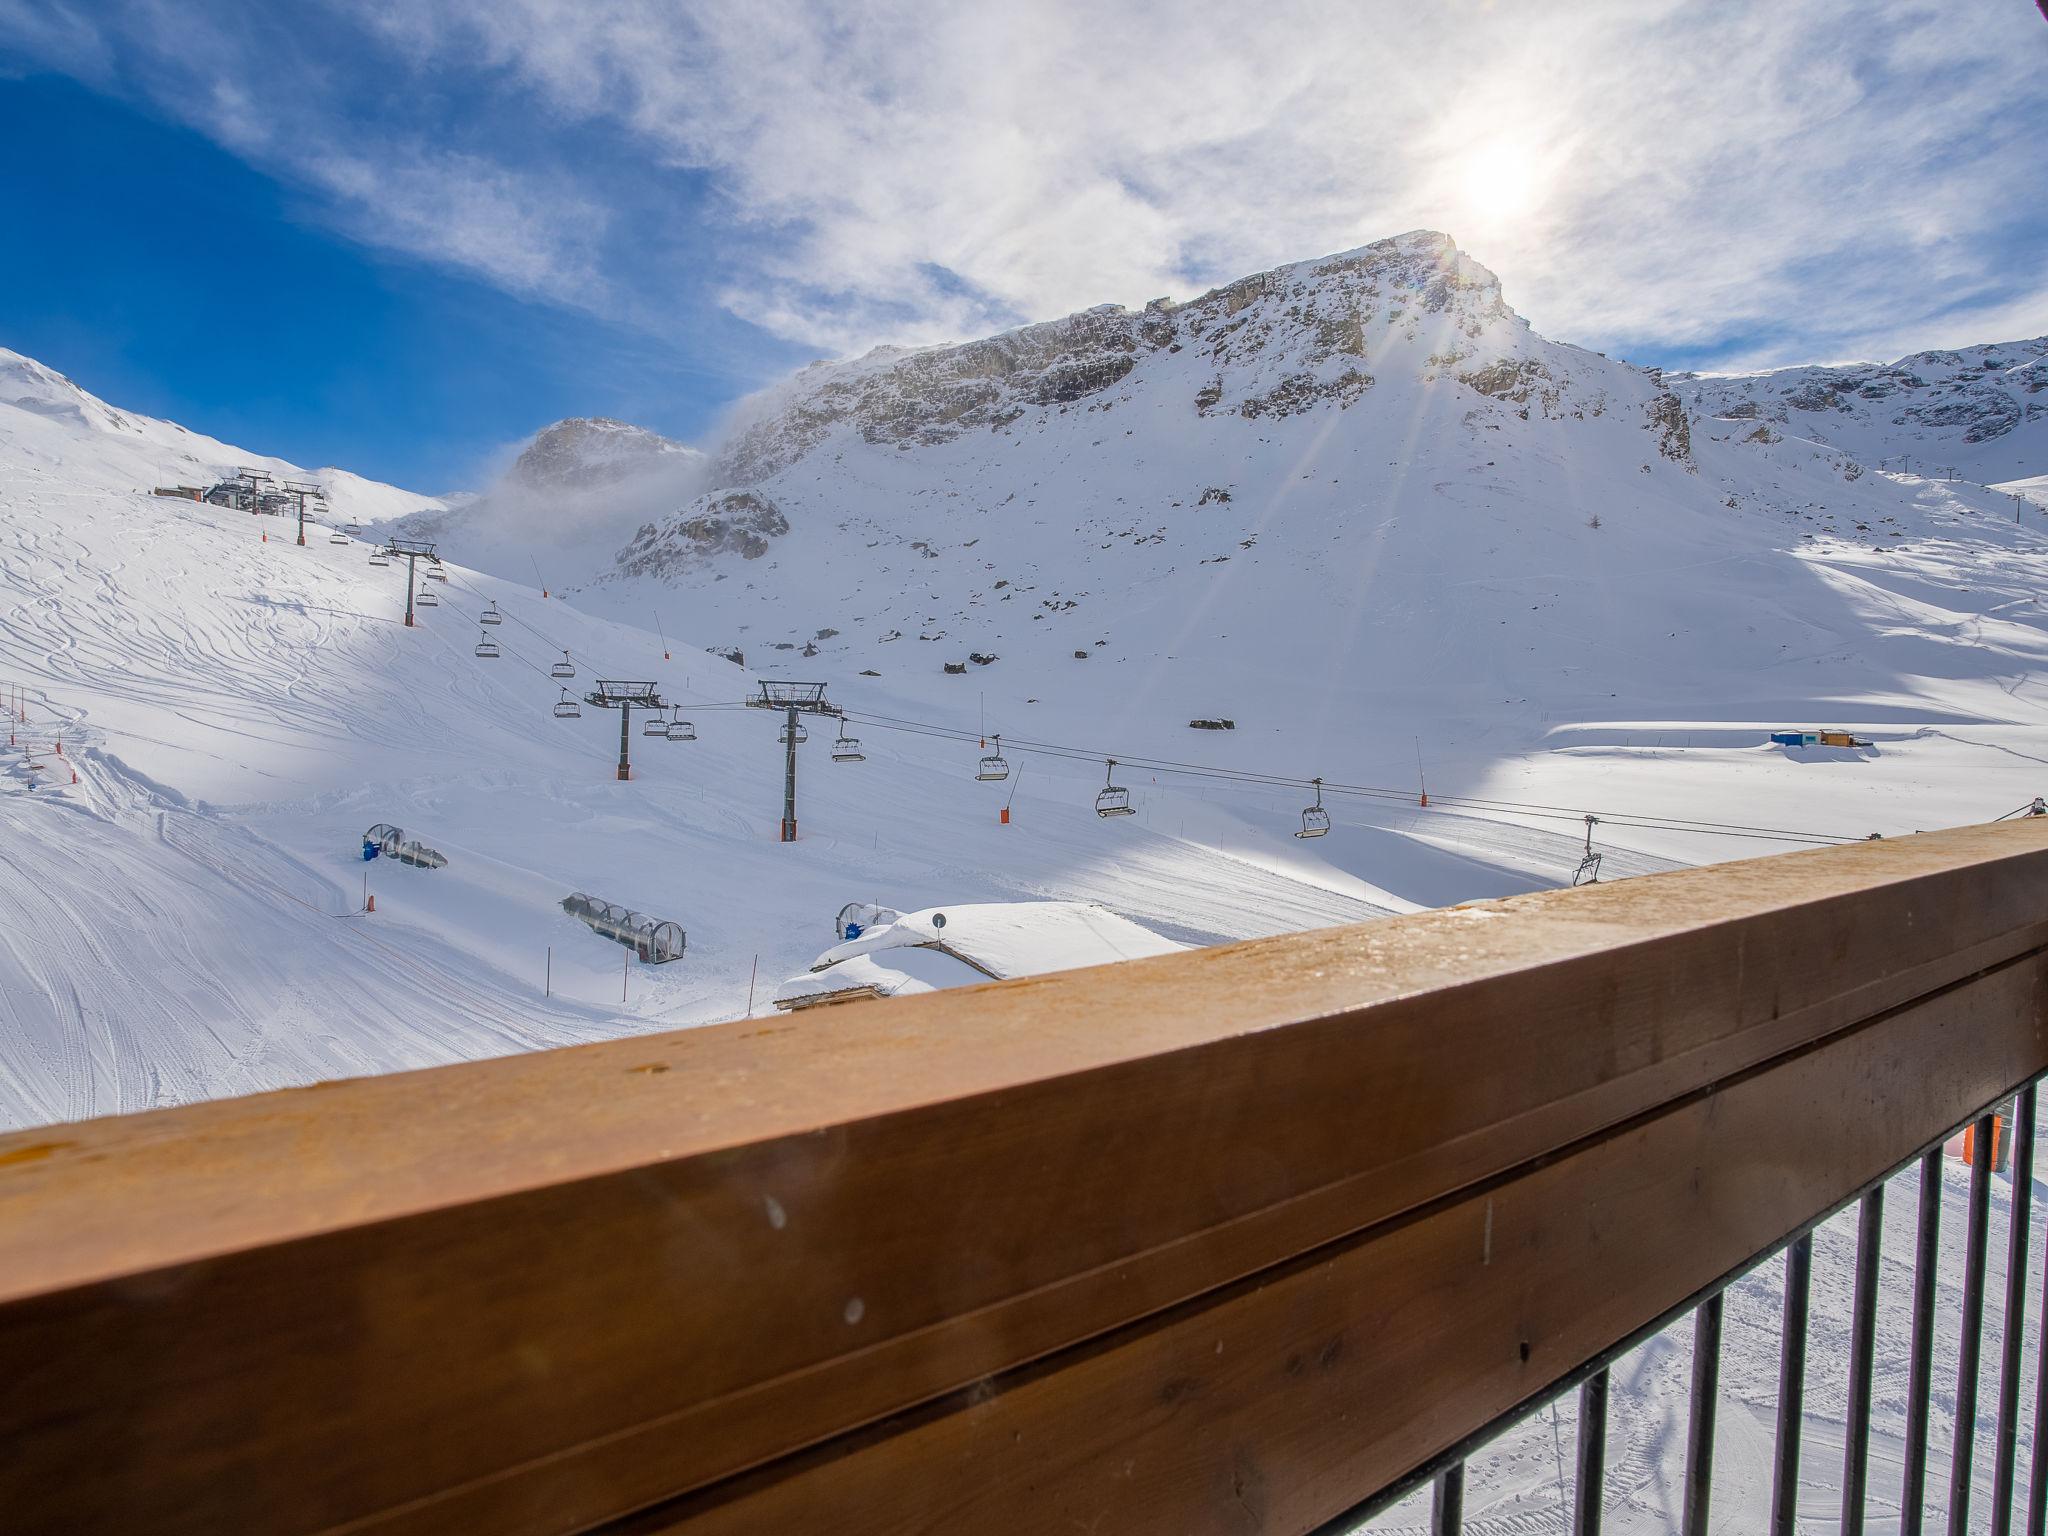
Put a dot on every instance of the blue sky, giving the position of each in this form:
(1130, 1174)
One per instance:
(400, 235)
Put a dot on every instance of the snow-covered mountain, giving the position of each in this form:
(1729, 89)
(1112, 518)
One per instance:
(52, 423)
(1978, 412)
(1352, 515)
(1352, 518)
(576, 492)
(584, 452)
(1350, 494)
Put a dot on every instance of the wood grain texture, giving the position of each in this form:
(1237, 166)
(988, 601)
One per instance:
(532, 1294)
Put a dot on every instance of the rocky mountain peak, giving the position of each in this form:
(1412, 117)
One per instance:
(1270, 344)
(585, 451)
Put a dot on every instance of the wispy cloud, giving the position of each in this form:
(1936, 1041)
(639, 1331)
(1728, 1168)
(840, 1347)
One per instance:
(1762, 179)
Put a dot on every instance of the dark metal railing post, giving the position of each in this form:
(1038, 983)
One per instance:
(2013, 1325)
(1699, 1435)
(1968, 1347)
(1791, 1387)
(1588, 1496)
(1920, 1366)
(1447, 1503)
(1862, 1352)
(2037, 1470)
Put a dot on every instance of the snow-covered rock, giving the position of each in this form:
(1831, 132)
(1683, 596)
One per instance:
(1981, 411)
(722, 523)
(969, 942)
(583, 452)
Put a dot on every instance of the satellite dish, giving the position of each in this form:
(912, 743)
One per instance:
(938, 919)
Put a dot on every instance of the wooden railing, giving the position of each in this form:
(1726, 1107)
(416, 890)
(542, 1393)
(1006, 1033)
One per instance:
(1228, 1240)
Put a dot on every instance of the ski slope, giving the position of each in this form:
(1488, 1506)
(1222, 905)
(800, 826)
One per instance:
(238, 709)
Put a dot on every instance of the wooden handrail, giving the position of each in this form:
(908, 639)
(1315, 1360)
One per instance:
(1152, 1246)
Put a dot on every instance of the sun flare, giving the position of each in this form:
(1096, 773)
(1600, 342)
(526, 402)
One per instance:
(1499, 181)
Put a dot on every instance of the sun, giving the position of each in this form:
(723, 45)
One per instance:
(1499, 182)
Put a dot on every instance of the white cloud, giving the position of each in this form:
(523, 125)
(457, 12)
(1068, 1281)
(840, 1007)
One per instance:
(1648, 172)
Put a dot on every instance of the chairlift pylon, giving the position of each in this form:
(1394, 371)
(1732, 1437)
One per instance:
(564, 668)
(1315, 821)
(486, 647)
(490, 615)
(847, 748)
(994, 766)
(566, 707)
(1114, 799)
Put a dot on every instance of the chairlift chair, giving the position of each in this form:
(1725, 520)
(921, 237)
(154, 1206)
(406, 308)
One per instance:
(680, 729)
(486, 647)
(994, 767)
(1588, 872)
(654, 726)
(435, 573)
(564, 668)
(566, 707)
(426, 598)
(490, 615)
(847, 749)
(352, 529)
(1315, 821)
(378, 557)
(1114, 799)
(337, 537)
(803, 733)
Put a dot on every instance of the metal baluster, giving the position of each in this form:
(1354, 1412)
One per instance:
(1791, 1387)
(1862, 1349)
(2037, 1471)
(1592, 1468)
(1972, 1339)
(1447, 1504)
(1699, 1435)
(1920, 1367)
(2007, 1445)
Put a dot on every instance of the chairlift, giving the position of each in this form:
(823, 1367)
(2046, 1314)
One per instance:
(490, 615)
(378, 557)
(564, 668)
(1114, 799)
(1588, 872)
(566, 707)
(352, 529)
(847, 749)
(654, 726)
(426, 598)
(680, 729)
(994, 767)
(486, 647)
(1315, 821)
(337, 537)
(803, 733)
(435, 573)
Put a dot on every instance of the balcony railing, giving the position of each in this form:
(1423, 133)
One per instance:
(1253, 1238)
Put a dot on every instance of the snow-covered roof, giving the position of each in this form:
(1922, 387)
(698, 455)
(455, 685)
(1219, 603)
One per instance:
(957, 946)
